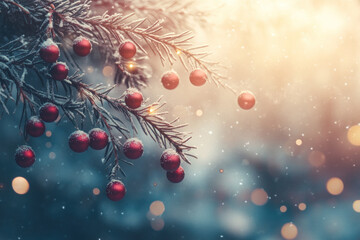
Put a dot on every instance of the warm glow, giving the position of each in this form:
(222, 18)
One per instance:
(178, 52)
(356, 206)
(96, 191)
(283, 208)
(335, 186)
(353, 135)
(151, 110)
(259, 197)
(48, 133)
(199, 112)
(157, 208)
(108, 71)
(20, 185)
(302, 206)
(289, 231)
(316, 158)
(221, 170)
(298, 142)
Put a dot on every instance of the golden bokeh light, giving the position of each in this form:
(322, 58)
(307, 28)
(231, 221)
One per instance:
(199, 112)
(316, 158)
(221, 170)
(96, 191)
(335, 186)
(302, 206)
(353, 135)
(283, 208)
(356, 206)
(108, 71)
(20, 185)
(289, 231)
(259, 197)
(157, 208)
(48, 133)
(298, 142)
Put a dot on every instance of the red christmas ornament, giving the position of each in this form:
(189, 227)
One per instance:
(127, 50)
(24, 156)
(35, 127)
(133, 148)
(59, 71)
(170, 160)
(79, 141)
(170, 80)
(82, 46)
(176, 176)
(49, 112)
(198, 77)
(98, 138)
(133, 98)
(115, 190)
(246, 100)
(49, 51)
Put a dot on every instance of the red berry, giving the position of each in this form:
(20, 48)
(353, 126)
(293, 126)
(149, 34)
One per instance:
(170, 80)
(198, 77)
(176, 176)
(98, 138)
(133, 148)
(115, 190)
(24, 156)
(82, 46)
(246, 100)
(133, 98)
(49, 51)
(59, 71)
(79, 141)
(35, 127)
(170, 160)
(49, 112)
(127, 50)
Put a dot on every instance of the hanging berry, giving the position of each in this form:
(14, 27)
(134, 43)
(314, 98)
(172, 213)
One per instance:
(79, 141)
(49, 112)
(49, 51)
(133, 98)
(98, 138)
(170, 80)
(24, 156)
(35, 127)
(198, 77)
(246, 100)
(133, 148)
(115, 190)
(82, 46)
(170, 160)
(127, 50)
(176, 176)
(59, 71)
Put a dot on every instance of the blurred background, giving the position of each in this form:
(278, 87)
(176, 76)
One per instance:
(286, 169)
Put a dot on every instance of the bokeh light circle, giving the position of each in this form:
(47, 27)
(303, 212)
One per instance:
(335, 186)
(289, 231)
(20, 185)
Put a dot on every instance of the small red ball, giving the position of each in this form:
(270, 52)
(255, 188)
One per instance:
(176, 176)
(170, 80)
(198, 77)
(246, 100)
(79, 141)
(35, 127)
(133, 148)
(170, 160)
(98, 138)
(82, 46)
(49, 112)
(127, 50)
(49, 51)
(133, 98)
(24, 156)
(59, 71)
(115, 190)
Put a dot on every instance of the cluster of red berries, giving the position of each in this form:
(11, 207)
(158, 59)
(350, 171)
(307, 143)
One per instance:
(170, 161)
(170, 80)
(50, 52)
(35, 127)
